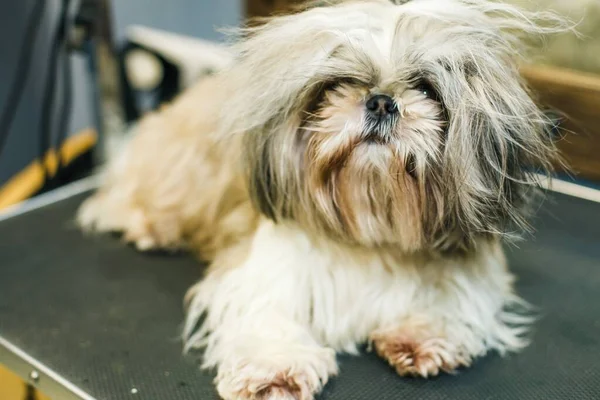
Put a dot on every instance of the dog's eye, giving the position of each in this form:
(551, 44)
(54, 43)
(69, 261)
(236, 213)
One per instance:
(347, 81)
(426, 90)
(336, 83)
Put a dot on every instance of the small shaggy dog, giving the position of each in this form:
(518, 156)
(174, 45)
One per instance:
(350, 177)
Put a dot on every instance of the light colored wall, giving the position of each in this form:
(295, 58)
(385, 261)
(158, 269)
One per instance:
(189, 17)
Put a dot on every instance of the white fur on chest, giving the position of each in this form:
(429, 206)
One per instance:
(341, 294)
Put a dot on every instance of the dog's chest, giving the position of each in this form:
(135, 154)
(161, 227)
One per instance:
(342, 295)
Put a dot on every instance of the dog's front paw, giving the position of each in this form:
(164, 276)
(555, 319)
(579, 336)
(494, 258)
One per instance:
(416, 352)
(285, 385)
(110, 213)
(275, 379)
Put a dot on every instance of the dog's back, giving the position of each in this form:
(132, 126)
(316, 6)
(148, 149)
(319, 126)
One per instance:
(172, 179)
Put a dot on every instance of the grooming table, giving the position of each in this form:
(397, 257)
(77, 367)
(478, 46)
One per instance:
(90, 318)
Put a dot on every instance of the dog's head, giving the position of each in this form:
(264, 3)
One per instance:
(391, 123)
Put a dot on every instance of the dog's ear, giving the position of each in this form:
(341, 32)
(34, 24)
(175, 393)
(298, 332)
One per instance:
(498, 139)
(274, 166)
(263, 182)
(278, 66)
(277, 62)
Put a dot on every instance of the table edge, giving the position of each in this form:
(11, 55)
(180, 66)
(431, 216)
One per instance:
(40, 376)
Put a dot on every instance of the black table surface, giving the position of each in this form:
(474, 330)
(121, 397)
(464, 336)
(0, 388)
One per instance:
(107, 317)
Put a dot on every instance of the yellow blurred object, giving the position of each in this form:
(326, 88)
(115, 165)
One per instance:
(31, 179)
(14, 388)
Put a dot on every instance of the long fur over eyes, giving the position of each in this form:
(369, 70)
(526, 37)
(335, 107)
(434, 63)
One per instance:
(476, 183)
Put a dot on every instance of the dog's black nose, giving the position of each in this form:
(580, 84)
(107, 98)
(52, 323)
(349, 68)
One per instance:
(381, 105)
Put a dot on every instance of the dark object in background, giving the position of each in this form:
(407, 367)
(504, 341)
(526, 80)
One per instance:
(19, 80)
(137, 101)
(264, 8)
(43, 142)
(37, 105)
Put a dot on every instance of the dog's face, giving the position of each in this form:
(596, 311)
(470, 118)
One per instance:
(366, 148)
(384, 124)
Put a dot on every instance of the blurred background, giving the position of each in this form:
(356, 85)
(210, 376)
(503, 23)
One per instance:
(60, 96)
(77, 74)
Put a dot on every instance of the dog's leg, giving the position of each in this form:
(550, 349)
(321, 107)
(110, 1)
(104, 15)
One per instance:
(109, 212)
(170, 179)
(264, 366)
(424, 346)
(418, 347)
(460, 312)
(263, 353)
(255, 310)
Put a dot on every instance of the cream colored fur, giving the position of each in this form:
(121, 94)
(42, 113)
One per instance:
(169, 187)
(319, 237)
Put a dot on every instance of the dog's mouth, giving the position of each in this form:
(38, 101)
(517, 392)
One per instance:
(410, 164)
(376, 139)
